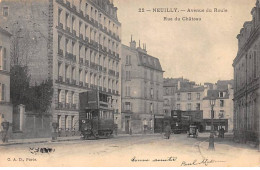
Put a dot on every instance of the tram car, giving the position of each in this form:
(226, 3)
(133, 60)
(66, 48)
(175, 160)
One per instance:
(96, 117)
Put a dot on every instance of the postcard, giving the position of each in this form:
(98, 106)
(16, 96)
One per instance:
(129, 83)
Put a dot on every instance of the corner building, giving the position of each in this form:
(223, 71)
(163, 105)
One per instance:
(142, 90)
(246, 81)
(79, 49)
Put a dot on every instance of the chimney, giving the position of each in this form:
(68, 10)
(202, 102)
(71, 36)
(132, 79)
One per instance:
(132, 44)
(179, 85)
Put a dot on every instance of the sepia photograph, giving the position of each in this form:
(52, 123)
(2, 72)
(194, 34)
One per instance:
(129, 83)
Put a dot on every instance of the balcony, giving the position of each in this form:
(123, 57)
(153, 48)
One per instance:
(96, 24)
(105, 49)
(99, 67)
(81, 36)
(91, 86)
(67, 29)
(109, 90)
(117, 74)
(101, 26)
(87, 63)
(80, 60)
(95, 87)
(117, 92)
(113, 91)
(87, 17)
(60, 25)
(86, 39)
(60, 105)
(73, 32)
(92, 42)
(92, 20)
(73, 82)
(60, 79)
(100, 88)
(100, 46)
(104, 69)
(86, 84)
(105, 28)
(117, 55)
(81, 13)
(73, 106)
(105, 89)
(96, 44)
(68, 80)
(109, 51)
(74, 8)
(114, 54)
(111, 72)
(81, 83)
(67, 105)
(60, 52)
(109, 32)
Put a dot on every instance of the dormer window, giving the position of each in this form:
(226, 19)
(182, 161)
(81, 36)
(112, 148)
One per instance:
(221, 94)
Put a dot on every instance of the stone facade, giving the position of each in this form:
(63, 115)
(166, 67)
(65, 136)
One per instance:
(75, 43)
(246, 76)
(6, 109)
(142, 89)
(223, 109)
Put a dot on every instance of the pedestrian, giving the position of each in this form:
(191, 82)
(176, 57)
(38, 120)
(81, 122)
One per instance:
(168, 131)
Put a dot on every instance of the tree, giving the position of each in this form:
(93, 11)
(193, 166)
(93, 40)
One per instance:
(36, 98)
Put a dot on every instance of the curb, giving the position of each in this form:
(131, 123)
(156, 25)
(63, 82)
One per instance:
(45, 141)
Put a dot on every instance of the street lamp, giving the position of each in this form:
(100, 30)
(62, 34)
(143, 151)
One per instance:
(211, 137)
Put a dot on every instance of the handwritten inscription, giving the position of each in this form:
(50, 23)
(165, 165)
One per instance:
(205, 162)
(168, 159)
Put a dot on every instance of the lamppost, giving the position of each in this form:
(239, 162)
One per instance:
(211, 137)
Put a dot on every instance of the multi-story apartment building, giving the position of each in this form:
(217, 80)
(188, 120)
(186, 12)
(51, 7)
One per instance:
(6, 109)
(246, 76)
(76, 43)
(223, 108)
(189, 98)
(142, 89)
(170, 88)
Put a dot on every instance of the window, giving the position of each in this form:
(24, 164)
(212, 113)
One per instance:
(59, 69)
(59, 95)
(66, 96)
(5, 11)
(255, 65)
(80, 76)
(2, 92)
(127, 91)
(128, 60)
(189, 106)
(221, 94)
(128, 75)
(67, 122)
(221, 114)
(86, 77)
(59, 15)
(198, 106)
(67, 20)
(72, 122)
(67, 45)
(151, 107)
(127, 106)
(73, 73)
(3, 59)
(221, 104)
(59, 41)
(198, 96)
(151, 93)
(189, 96)
(73, 97)
(178, 96)
(59, 121)
(178, 106)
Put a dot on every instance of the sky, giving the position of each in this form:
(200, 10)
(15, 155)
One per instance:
(201, 51)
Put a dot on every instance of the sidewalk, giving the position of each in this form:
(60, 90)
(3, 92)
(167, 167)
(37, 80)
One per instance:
(38, 140)
(59, 139)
